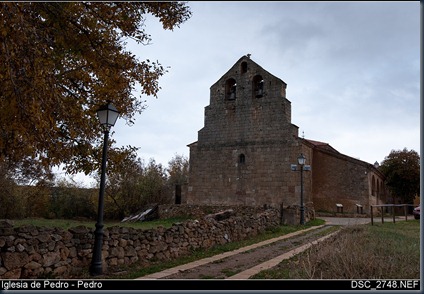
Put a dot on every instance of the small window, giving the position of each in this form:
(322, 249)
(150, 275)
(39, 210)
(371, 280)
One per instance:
(243, 67)
(242, 159)
(230, 89)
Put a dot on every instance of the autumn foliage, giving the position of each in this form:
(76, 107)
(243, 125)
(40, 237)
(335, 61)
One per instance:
(59, 62)
(132, 186)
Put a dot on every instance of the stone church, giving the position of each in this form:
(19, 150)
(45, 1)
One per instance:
(245, 152)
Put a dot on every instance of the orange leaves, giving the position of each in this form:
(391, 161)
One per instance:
(60, 62)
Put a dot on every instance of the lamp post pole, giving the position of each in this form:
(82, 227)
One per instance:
(301, 160)
(107, 115)
(302, 208)
(96, 267)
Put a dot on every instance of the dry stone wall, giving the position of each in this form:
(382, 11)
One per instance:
(39, 252)
(199, 211)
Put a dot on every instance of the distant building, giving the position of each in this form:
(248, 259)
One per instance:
(245, 150)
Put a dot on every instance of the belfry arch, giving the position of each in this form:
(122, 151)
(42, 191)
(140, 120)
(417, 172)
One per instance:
(258, 86)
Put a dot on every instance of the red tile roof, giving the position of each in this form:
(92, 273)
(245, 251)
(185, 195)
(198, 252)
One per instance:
(322, 145)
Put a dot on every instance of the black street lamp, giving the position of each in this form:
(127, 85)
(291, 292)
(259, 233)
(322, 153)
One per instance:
(107, 115)
(301, 160)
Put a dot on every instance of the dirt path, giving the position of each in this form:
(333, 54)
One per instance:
(229, 266)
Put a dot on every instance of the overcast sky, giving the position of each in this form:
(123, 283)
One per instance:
(352, 71)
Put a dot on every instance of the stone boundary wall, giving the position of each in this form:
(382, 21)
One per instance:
(199, 211)
(39, 252)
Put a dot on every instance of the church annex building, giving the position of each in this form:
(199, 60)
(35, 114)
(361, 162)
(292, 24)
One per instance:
(245, 150)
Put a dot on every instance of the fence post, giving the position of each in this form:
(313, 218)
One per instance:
(382, 215)
(393, 212)
(406, 215)
(372, 219)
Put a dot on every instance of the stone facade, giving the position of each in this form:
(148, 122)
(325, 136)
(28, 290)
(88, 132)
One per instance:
(39, 252)
(243, 153)
(245, 150)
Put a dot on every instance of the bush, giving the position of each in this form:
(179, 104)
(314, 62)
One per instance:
(70, 201)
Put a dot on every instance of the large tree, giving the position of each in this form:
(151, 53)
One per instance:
(402, 171)
(177, 169)
(59, 62)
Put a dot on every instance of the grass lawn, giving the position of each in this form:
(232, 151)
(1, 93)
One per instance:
(66, 223)
(382, 251)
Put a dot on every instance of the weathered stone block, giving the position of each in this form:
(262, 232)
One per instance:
(12, 274)
(43, 237)
(20, 247)
(6, 223)
(14, 260)
(113, 261)
(60, 271)
(50, 258)
(130, 251)
(2, 271)
(64, 253)
(36, 257)
(32, 265)
(123, 242)
(117, 252)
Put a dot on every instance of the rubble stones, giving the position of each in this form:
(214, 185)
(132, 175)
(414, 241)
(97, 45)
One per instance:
(65, 254)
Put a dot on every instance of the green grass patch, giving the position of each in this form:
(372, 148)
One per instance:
(135, 271)
(66, 224)
(228, 272)
(382, 251)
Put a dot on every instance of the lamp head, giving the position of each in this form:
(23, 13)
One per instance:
(301, 160)
(107, 114)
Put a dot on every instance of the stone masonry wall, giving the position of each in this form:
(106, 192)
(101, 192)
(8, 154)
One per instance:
(245, 149)
(265, 178)
(247, 118)
(343, 180)
(39, 252)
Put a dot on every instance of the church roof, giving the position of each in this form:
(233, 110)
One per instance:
(322, 146)
(326, 148)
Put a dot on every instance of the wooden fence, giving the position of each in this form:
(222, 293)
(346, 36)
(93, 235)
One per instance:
(392, 211)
